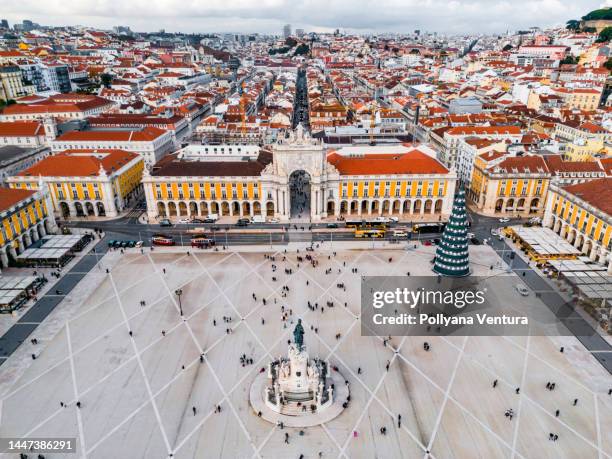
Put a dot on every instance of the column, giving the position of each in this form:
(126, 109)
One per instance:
(577, 241)
(594, 251)
(547, 221)
(4, 259)
(35, 235)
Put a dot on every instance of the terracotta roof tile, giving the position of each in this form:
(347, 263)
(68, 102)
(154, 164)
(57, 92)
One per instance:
(596, 192)
(11, 196)
(21, 129)
(79, 163)
(413, 162)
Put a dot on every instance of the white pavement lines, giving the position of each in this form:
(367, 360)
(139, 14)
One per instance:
(231, 303)
(446, 395)
(141, 366)
(366, 407)
(212, 370)
(533, 401)
(597, 426)
(263, 443)
(520, 402)
(76, 393)
(331, 437)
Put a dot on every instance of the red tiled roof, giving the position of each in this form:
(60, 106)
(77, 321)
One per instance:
(11, 196)
(556, 164)
(484, 130)
(148, 134)
(595, 192)
(413, 162)
(79, 163)
(523, 164)
(21, 129)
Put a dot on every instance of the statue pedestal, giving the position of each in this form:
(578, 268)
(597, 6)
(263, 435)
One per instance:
(257, 399)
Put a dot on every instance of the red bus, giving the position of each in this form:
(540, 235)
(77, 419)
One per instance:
(161, 239)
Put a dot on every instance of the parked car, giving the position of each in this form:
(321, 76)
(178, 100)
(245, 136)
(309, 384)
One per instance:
(273, 220)
(394, 219)
(184, 221)
(243, 222)
(522, 289)
(165, 222)
(197, 220)
(475, 241)
(209, 220)
(332, 225)
(504, 220)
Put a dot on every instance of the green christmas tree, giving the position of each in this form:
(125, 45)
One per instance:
(452, 258)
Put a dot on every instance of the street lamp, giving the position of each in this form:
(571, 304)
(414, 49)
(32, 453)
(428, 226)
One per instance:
(178, 293)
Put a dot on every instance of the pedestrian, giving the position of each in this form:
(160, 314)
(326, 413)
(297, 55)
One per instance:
(518, 390)
(399, 421)
(78, 404)
(194, 410)
(557, 413)
(575, 401)
(494, 384)
(561, 349)
(286, 437)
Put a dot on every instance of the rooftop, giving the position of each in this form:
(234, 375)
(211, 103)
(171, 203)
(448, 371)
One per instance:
(11, 196)
(80, 163)
(413, 162)
(595, 192)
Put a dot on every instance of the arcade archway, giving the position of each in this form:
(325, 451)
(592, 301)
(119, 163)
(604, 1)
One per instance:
(299, 194)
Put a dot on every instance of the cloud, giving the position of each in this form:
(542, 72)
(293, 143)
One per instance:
(268, 16)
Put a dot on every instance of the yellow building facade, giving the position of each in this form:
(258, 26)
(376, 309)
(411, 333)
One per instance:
(581, 213)
(83, 183)
(24, 218)
(509, 186)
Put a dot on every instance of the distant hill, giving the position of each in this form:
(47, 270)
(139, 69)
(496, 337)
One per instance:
(601, 14)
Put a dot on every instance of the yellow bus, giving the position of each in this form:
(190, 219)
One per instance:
(378, 233)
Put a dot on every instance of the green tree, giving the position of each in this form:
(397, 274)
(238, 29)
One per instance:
(569, 59)
(608, 63)
(301, 50)
(572, 24)
(106, 79)
(508, 47)
(605, 35)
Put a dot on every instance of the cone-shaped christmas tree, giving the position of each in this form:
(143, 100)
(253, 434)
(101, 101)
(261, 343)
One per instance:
(452, 258)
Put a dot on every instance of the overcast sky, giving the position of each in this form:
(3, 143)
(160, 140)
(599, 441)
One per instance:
(268, 16)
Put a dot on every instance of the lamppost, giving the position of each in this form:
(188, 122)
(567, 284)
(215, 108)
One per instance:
(178, 293)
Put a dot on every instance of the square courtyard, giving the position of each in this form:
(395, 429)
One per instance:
(148, 381)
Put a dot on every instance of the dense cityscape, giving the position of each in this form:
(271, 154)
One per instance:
(191, 224)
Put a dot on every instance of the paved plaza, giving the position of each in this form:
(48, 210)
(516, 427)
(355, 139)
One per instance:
(150, 384)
